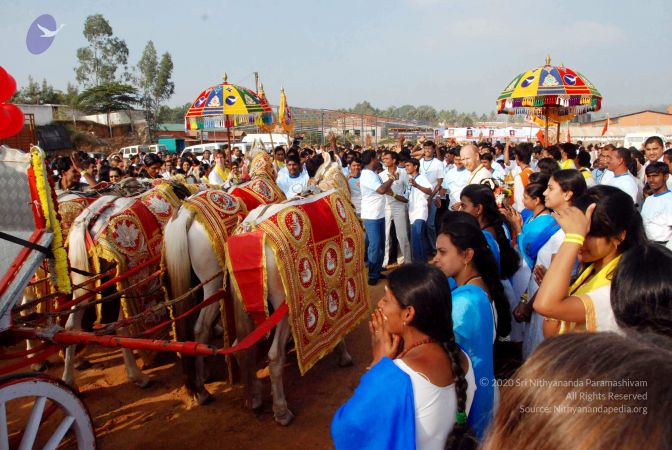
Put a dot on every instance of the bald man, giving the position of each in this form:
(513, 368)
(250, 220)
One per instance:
(472, 162)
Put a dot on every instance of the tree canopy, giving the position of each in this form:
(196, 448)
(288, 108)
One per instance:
(108, 97)
(424, 114)
(105, 55)
(154, 83)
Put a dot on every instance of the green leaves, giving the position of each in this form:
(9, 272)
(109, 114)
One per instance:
(35, 93)
(108, 97)
(105, 55)
(154, 81)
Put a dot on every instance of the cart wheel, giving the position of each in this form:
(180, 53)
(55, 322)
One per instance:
(25, 398)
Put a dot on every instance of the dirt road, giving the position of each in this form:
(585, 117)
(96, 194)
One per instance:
(159, 417)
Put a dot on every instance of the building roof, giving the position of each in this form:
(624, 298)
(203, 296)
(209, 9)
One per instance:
(633, 114)
(171, 127)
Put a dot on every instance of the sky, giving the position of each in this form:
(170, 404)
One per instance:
(450, 54)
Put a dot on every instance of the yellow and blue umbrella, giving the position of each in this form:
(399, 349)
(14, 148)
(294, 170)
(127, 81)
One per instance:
(556, 93)
(228, 105)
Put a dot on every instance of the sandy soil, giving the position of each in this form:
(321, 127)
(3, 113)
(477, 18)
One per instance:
(161, 416)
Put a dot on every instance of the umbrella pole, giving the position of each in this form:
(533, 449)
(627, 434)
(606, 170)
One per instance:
(546, 117)
(228, 133)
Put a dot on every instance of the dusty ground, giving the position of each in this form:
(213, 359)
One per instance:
(159, 417)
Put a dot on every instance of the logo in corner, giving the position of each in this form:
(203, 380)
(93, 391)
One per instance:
(41, 34)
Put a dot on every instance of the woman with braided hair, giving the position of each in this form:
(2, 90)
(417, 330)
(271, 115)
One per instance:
(419, 389)
(479, 201)
(480, 310)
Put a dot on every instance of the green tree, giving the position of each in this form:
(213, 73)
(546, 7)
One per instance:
(427, 115)
(35, 93)
(155, 85)
(106, 98)
(364, 108)
(71, 95)
(29, 94)
(49, 95)
(167, 114)
(105, 54)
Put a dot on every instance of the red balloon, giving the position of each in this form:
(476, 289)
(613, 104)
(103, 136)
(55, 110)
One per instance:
(7, 85)
(11, 120)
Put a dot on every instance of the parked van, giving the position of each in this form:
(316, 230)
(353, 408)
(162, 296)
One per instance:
(637, 139)
(156, 148)
(127, 152)
(265, 138)
(199, 149)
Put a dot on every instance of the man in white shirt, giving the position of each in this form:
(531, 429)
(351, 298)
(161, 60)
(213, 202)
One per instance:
(432, 168)
(354, 172)
(373, 212)
(454, 180)
(653, 149)
(471, 160)
(657, 209)
(523, 156)
(420, 190)
(667, 159)
(220, 173)
(618, 161)
(396, 208)
(293, 180)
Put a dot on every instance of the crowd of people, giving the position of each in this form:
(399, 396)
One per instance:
(519, 266)
(555, 261)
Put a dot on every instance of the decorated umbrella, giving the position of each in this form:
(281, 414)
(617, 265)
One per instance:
(267, 127)
(285, 117)
(549, 94)
(227, 106)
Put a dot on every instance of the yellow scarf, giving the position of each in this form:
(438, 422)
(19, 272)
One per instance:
(224, 175)
(580, 286)
(567, 164)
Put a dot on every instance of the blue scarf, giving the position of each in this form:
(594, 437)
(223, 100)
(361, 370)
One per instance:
(536, 232)
(380, 414)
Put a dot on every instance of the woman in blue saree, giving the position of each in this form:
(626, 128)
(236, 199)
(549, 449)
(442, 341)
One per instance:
(480, 309)
(419, 389)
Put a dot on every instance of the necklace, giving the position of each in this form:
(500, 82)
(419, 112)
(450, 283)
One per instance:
(538, 214)
(425, 167)
(417, 344)
(475, 277)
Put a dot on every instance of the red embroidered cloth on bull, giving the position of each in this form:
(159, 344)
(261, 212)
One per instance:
(261, 190)
(130, 238)
(319, 247)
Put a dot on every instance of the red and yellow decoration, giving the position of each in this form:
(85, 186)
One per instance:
(319, 250)
(219, 213)
(266, 126)
(58, 268)
(131, 237)
(262, 163)
(262, 190)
